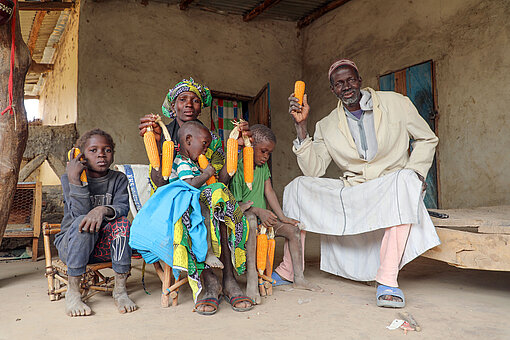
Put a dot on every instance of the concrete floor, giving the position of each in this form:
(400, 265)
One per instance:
(449, 303)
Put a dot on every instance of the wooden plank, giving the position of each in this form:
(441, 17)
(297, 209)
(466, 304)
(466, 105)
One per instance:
(320, 12)
(489, 220)
(230, 96)
(255, 12)
(37, 210)
(472, 250)
(44, 5)
(34, 32)
(184, 4)
(400, 82)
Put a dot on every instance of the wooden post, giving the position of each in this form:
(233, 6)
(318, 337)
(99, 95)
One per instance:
(167, 280)
(13, 128)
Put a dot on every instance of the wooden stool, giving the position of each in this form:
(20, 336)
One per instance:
(92, 282)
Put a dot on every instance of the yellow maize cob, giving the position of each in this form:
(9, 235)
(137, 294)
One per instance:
(271, 245)
(83, 176)
(248, 166)
(152, 149)
(203, 162)
(167, 159)
(232, 149)
(299, 91)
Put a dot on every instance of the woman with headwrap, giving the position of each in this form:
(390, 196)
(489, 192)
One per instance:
(184, 103)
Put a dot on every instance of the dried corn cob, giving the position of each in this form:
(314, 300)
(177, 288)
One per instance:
(262, 245)
(152, 149)
(232, 148)
(203, 162)
(271, 245)
(167, 158)
(83, 176)
(248, 166)
(299, 91)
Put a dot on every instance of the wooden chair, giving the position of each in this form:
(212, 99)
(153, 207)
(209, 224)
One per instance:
(169, 290)
(92, 282)
(139, 193)
(25, 215)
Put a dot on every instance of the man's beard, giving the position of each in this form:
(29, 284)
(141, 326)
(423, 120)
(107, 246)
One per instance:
(352, 100)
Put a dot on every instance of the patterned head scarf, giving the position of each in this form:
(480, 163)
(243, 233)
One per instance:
(190, 85)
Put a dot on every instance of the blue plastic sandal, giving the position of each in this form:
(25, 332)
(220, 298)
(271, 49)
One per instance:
(279, 281)
(393, 291)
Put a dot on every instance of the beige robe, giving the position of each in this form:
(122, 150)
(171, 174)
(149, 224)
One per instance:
(396, 121)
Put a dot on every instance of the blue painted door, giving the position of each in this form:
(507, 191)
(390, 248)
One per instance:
(416, 82)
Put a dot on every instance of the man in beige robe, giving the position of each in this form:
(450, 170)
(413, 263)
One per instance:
(377, 203)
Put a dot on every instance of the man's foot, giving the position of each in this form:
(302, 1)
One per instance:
(74, 305)
(212, 260)
(233, 293)
(252, 289)
(212, 290)
(302, 283)
(392, 297)
(122, 301)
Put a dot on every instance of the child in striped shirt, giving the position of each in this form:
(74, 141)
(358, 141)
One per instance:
(194, 139)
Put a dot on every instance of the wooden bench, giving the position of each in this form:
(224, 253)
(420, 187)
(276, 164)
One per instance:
(25, 215)
(474, 238)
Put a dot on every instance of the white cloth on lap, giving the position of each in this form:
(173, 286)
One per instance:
(139, 184)
(352, 220)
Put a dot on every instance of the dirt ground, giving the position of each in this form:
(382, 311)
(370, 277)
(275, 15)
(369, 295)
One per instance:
(446, 301)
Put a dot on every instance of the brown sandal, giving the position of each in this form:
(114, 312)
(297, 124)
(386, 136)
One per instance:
(212, 302)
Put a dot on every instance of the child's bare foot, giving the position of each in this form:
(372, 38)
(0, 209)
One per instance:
(212, 260)
(74, 305)
(301, 283)
(122, 301)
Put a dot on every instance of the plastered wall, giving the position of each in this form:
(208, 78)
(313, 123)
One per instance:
(469, 42)
(130, 54)
(57, 100)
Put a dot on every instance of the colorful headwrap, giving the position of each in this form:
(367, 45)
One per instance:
(190, 85)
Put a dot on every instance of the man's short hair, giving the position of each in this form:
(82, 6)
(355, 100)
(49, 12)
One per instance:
(262, 133)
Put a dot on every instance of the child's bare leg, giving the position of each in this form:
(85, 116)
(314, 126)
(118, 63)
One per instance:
(292, 234)
(252, 289)
(74, 305)
(210, 258)
(122, 300)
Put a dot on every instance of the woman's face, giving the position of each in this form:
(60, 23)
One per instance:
(187, 107)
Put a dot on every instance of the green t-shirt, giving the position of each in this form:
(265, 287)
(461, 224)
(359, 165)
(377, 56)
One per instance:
(240, 190)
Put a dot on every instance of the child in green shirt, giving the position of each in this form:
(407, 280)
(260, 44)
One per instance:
(264, 142)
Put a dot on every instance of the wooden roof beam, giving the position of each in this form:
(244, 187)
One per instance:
(320, 12)
(259, 9)
(44, 5)
(184, 4)
(35, 67)
(34, 31)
